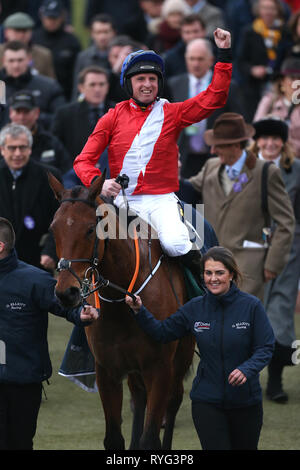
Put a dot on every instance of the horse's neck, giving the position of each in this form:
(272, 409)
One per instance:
(122, 251)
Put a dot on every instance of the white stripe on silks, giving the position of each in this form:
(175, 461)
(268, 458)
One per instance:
(141, 150)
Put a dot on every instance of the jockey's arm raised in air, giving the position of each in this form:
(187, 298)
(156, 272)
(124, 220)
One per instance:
(112, 126)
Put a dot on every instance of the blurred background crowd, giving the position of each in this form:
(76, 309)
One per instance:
(55, 54)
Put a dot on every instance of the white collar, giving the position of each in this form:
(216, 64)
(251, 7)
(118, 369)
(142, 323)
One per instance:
(276, 160)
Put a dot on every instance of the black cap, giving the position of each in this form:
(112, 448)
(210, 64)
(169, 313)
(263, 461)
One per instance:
(23, 99)
(52, 8)
(271, 126)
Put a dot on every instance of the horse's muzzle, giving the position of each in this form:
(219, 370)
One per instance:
(70, 297)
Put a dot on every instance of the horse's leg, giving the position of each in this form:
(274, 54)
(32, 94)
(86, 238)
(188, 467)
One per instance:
(172, 409)
(139, 398)
(157, 383)
(182, 362)
(111, 394)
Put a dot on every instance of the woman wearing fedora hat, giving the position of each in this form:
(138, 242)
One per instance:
(270, 144)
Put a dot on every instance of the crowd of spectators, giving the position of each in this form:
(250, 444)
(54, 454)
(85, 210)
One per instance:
(58, 89)
(265, 51)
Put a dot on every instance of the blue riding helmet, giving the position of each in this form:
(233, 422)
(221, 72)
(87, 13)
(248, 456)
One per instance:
(142, 62)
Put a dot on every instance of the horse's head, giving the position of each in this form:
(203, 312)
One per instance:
(77, 244)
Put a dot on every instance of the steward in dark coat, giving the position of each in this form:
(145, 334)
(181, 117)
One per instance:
(27, 295)
(24, 320)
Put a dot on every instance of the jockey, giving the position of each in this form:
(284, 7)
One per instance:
(141, 134)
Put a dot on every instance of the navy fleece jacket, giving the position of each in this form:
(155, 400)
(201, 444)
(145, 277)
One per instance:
(232, 331)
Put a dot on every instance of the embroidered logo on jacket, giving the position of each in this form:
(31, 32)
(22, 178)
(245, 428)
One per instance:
(15, 305)
(241, 325)
(200, 326)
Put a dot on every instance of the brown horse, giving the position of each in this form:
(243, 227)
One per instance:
(155, 371)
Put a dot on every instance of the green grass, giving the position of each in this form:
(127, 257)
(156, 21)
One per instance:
(72, 419)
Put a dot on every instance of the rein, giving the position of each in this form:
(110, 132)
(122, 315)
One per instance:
(96, 281)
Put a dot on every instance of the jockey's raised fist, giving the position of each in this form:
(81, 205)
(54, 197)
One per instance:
(222, 38)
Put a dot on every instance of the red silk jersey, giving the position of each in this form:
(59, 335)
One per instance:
(143, 143)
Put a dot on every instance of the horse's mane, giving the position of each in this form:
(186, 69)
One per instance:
(75, 191)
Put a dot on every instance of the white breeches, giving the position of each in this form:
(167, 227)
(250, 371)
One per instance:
(161, 212)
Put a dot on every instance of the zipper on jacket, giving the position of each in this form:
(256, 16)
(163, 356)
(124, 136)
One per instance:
(222, 356)
(13, 185)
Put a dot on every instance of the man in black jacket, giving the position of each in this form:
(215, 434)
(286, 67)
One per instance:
(26, 198)
(63, 44)
(74, 122)
(27, 295)
(17, 76)
(199, 59)
(192, 27)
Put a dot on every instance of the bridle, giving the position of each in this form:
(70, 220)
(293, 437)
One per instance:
(93, 279)
(92, 276)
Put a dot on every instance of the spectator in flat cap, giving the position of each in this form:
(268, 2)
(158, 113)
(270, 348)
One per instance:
(64, 45)
(19, 20)
(19, 27)
(46, 148)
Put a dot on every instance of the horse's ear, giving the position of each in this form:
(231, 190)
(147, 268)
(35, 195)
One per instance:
(55, 185)
(96, 187)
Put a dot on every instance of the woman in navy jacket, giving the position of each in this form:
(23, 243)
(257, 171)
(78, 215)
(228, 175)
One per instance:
(235, 341)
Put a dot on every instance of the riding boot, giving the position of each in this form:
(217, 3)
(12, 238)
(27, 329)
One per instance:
(191, 260)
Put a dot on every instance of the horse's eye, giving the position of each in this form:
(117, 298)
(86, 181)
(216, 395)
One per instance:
(90, 231)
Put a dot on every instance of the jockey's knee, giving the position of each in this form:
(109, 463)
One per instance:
(175, 246)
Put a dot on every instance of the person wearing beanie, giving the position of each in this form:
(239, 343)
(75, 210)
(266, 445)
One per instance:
(166, 29)
(271, 144)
